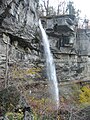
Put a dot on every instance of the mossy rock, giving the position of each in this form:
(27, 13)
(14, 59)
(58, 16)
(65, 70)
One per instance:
(9, 99)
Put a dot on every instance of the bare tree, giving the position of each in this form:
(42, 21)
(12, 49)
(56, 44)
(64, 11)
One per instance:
(6, 40)
(46, 6)
(61, 8)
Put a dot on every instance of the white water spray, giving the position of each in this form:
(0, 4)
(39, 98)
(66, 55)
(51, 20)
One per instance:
(51, 72)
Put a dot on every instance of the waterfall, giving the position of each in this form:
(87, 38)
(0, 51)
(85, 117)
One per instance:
(51, 72)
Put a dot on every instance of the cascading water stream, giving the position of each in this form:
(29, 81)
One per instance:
(51, 72)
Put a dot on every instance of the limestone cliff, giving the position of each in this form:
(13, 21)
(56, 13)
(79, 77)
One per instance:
(22, 61)
(18, 17)
(18, 31)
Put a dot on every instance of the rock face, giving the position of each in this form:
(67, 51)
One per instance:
(21, 53)
(18, 32)
(83, 37)
(19, 28)
(69, 45)
(19, 17)
(19, 48)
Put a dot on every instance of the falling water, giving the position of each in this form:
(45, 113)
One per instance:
(51, 72)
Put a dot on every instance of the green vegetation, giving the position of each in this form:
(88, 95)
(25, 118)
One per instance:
(14, 116)
(9, 99)
(84, 96)
(17, 72)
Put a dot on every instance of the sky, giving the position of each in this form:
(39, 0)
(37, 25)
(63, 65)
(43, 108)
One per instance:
(83, 5)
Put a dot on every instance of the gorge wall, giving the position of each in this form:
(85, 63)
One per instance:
(20, 42)
(70, 47)
(22, 62)
(18, 31)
